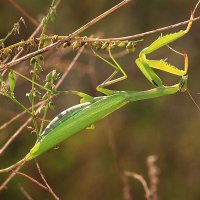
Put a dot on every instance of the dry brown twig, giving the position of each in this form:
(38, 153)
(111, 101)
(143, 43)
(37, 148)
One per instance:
(153, 172)
(89, 24)
(32, 180)
(26, 194)
(47, 185)
(151, 192)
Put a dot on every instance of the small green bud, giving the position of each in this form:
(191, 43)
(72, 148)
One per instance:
(122, 44)
(30, 96)
(130, 47)
(48, 85)
(113, 45)
(104, 46)
(2, 42)
(38, 67)
(41, 110)
(53, 13)
(46, 96)
(40, 57)
(33, 61)
(76, 45)
(51, 105)
(52, 18)
(37, 78)
(55, 75)
(67, 44)
(49, 76)
(31, 72)
(97, 45)
(38, 94)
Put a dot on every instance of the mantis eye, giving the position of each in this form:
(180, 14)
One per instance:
(183, 84)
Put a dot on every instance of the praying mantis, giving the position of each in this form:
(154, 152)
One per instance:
(91, 109)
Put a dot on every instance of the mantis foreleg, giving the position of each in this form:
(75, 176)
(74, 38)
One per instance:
(146, 65)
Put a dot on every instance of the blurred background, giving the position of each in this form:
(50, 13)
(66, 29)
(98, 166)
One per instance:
(90, 164)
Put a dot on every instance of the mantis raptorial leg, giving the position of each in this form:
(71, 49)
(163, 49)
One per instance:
(146, 65)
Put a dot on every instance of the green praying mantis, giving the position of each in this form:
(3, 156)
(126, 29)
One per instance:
(92, 109)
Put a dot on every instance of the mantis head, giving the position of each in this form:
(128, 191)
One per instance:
(183, 83)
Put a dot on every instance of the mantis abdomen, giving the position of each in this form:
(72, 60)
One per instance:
(75, 121)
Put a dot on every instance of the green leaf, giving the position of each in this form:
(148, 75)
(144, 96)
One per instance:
(12, 80)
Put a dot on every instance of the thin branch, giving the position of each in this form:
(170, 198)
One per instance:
(32, 180)
(26, 194)
(34, 33)
(141, 179)
(67, 38)
(193, 100)
(95, 20)
(153, 172)
(18, 116)
(60, 42)
(43, 178)
(15, 135)
(12, 120)
(149, 32)
(69, 67)
(4, 184)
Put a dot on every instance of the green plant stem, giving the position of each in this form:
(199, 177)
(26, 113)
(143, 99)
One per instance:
(43, 119)
(33, 101)
(22, 106)
(18, 103)
(52, 91)
(28, 79)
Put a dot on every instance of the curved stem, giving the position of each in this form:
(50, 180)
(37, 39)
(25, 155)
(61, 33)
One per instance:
(12, 167)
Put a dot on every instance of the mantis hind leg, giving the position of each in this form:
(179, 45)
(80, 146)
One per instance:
(109, 81)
